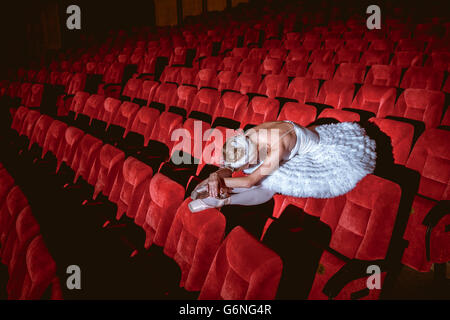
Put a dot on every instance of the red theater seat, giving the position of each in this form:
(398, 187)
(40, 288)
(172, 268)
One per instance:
(382, 75)
(249, 65)
(346, 55)
(242, 269)
(420, 104)
(426, 230)
(300, 54)
(54, 140)
(206, 78)
(294, 68)
(336, 94)
(382, 45)
(230, 64)
(247, 83)
(362, 222)
(302, 89)
(41, 271)
(105, 169)
(406, 59)
(356, 44)
(302, 114)
(129, 187)
(226, 80)
(340, 115)
(374, 98)
(164, 97)
(271, 66)
(170, 74)
(401, 135)
(439, 61)
(273, 85)
(192, 242)
(371, 57)
(40, 131)
(164, 198)
(410, 45)
(131, 89)
(26, 229)
(232, 105)
(84, 157)
(260, 109)
(422, 78)
(321, 55)
(320, 70)
(72, 138)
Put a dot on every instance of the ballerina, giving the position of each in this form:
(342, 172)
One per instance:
(321, 161)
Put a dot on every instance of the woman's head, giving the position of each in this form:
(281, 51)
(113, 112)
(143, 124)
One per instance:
(238, 152)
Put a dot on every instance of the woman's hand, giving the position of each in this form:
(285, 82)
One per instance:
(214, 185)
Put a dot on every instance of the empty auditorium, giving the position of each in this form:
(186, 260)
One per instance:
(202, 150)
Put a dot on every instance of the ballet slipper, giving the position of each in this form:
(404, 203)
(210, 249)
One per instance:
(200, 192)
(200, 205)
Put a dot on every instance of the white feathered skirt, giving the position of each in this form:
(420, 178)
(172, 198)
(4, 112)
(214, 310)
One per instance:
(343, 156)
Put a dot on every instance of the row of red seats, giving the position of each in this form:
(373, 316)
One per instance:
(31, 269)
(154, 202)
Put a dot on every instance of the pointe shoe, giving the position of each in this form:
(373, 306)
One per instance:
(200, 192)
(200, 205)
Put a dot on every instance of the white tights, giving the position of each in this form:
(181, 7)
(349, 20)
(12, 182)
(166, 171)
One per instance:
(245, 196)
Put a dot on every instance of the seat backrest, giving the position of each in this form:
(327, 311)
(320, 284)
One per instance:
(125, 116)
(72, 137)
(109, 110)
(78, 102)
(406, 59)
(164, 126)
(187, 76)
(362, 220)
(401, 134)
(300, 113)
(232, 105)
(166, 94)
(431, 158)
(166, 197)
(302, 89)
(340, 115)
(382, 75)
(294, 68)
(260, 110)
(226, 80)
(206, 78)
(144, 121)
(93, 107)
(193, 241)
(243, 269)
(128, 189)
(77, 83)
(320, 70)
(41, 270)
(105, 169)
(371, 57)
(40, 130)
(84, 157)
(18, 119)
(29, 123)
(34, 98)
(422, 78)
(374, 98)
(185, 97)
(335, 93)
(132, 88)
(147, 90)
(273, 85)
(206, 101)
(422, 105)
(350, 72)
(54, 140)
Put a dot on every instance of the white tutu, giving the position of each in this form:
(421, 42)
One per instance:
(342, 157)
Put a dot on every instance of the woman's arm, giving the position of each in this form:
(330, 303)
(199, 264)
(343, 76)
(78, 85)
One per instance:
(270, 164)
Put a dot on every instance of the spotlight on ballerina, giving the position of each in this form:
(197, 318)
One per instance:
(318, 161)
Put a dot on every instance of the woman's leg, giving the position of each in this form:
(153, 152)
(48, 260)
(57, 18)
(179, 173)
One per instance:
(244, 197)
